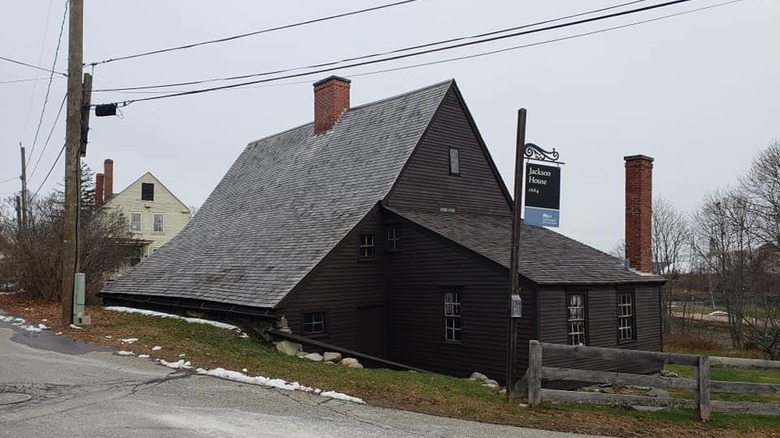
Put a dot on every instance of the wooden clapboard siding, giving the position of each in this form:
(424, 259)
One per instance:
(420, 273)
(602, 324)
(339, 285)
(426, 182)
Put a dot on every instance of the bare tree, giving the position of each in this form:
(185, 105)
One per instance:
(670, 240)
(32, 255)
(726, 243)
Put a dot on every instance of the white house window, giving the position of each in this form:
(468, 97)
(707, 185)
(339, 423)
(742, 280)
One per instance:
(454, 161)
(313, 323)
(452, 323)
(159, 222)
(625, 311)
(135, 222)
(393, 239)
(147, 192)
(576, 319)
(366, 246)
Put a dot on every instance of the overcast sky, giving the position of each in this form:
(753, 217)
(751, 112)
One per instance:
(699, 92)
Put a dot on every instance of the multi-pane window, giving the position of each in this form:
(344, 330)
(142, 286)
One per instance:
(366, 248)
(625, 311)
(135, 222)
(393, 239)
(147, 192)
(159, 222)
(313, 323)
(575, 318)
(454, 161)
(452, 323)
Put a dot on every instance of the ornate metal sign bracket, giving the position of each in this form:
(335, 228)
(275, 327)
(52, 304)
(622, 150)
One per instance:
(534, 152)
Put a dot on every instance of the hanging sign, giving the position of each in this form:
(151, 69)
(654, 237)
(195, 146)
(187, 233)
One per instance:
(542, 195)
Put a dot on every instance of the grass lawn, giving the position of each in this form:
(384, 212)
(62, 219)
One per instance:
(209, 347)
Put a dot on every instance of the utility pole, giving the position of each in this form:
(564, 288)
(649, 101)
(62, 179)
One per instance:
(72, 148)
(514, 265)
(24, 189)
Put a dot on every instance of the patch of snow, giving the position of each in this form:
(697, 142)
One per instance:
(58, 333)
(74, 326)
(143, 356)
(125, 353)
(217, 324)
(178, 365)
(182, 355)
(30, 328)
(43, 326)
(340, 396)
(274, 383)
(129, 340)
(718, 313)
(156, 348)
(45, 320)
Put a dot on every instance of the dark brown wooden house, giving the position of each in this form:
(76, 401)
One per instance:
(385, 228)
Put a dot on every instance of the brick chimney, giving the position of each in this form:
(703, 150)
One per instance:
(639, 212)
(99, 181)
(331, 99)
(108, 179)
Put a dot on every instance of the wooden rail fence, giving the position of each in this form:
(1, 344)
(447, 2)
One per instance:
(700, 384)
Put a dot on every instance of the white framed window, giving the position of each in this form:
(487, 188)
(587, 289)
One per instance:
(313, 323)
(625, 311)
(366, 248)
(575, 319)
(135, 222)
(159, 222)
(454, 161)
(393, 239)
(452, 322)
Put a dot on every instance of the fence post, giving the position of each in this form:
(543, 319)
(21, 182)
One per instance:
(534, 373)
(703, 406)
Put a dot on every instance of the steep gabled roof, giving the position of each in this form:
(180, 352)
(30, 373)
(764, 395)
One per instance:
(546, 257)
(156, 181)
(284, 204)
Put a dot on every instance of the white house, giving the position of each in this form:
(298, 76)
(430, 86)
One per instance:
(153, 212)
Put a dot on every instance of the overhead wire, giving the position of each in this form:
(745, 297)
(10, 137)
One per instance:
(403, 56)
(51, 169)
(48, 86)
(539, 43)
(48, 138)
(492, 52)
(3, 58)
(257, 32)
(40, 57)
(17, 81)
(373, 55)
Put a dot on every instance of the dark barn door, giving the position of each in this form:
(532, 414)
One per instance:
(371, 330)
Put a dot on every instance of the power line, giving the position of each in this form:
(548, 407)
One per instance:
(397, 57)
(48, 86)
(9, 180)
(40, 57)
(374, 55)
(32, 66)
(48, 138)
(257, 32)
(16, 81)
(50, 171)
(523, 46)
(492, 52)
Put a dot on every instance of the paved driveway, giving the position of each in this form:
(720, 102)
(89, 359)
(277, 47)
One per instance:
(52, 386)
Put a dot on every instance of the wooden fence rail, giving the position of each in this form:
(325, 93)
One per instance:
(701, 384)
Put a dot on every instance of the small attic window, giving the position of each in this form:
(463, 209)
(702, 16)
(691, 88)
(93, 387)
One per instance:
(147, 192)
(454, 162)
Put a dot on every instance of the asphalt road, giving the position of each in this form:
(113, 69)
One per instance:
(52, 386)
